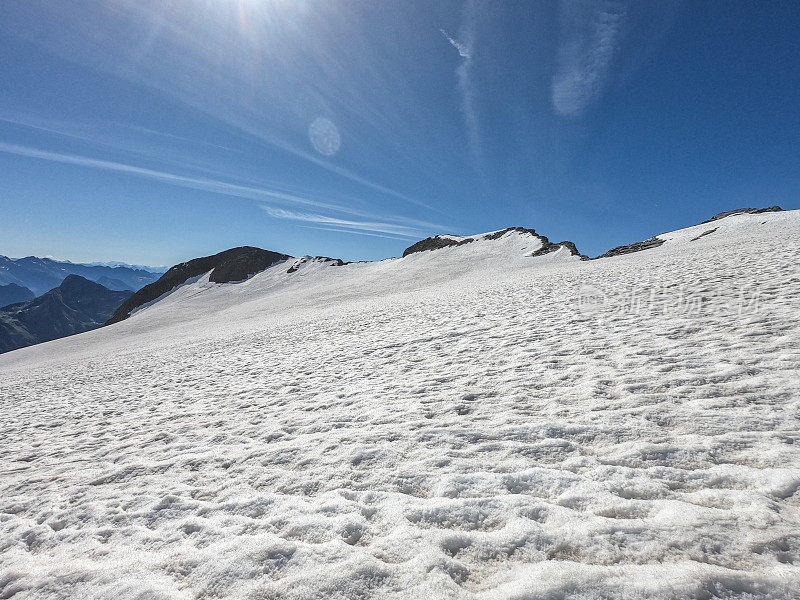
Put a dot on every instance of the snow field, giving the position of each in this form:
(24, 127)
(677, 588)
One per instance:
(456, 424)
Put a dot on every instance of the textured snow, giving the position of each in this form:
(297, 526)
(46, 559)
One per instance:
(469, 422)
(461, 238)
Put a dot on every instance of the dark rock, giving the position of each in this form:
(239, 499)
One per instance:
(741, 211)
(573, 249)
(13, 293)
(333, 262)
(548, 247)
(710, 231)
(239, 263)
(437, 242)
(75, 306)
(236, 264)
(653, 242)
(434, 243)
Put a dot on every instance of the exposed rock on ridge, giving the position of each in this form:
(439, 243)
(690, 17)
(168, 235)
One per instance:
(333, 262)
(656, 241)
(237, 264)
(653, 242)
(742, 211)
(435, 243)
(445, 241)
(549, 247)
(229, 266)
(438, 241)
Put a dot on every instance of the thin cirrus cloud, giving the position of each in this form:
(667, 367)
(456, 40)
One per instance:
(103, 135)
(466, 47)
(590, 35)
(463, 51)
(403, 227)
(399, 230)
(205, 184)
(356, 232)
(258, 97)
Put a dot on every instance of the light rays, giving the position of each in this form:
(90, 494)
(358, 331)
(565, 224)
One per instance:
(246, 63)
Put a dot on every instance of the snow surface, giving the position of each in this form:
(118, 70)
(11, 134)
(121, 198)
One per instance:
(469, 422)
(461, 238)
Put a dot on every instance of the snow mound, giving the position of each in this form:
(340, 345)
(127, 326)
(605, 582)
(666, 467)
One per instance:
(467, 423)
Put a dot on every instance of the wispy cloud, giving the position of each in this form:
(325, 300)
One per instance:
(296, 70)
(590, 32)
(97, 133)
(370, 226)
(400, 226)
(356, 232)
(200, 183)
(466, 47)
(463, 51)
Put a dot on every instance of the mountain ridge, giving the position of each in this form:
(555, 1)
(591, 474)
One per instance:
(41, 275)
(440, 241)
(239, 263)
(75, 306)
(12, 293)
(227, 266)
(437, 242)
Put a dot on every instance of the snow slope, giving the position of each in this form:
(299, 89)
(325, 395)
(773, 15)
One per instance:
(467, 422)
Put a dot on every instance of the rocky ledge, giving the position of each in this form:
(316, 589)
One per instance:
(236, 264)
(742, 211)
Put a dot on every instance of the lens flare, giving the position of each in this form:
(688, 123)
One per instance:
(324, 136)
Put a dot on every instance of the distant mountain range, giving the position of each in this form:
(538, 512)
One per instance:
(75, 306)
(40, 275)
(12, 293)
(116, 263)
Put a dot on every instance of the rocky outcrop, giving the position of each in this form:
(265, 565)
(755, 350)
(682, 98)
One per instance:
(445, 241)
(75, 306)
(705, 233)
(303, 260)
(653, 242)
(742, 211)
(236, 264)
(435, 242)
(549, 247)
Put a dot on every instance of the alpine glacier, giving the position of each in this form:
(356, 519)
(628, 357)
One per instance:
(465, 422)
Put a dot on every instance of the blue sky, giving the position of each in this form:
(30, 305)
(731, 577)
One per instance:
(157, 131)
